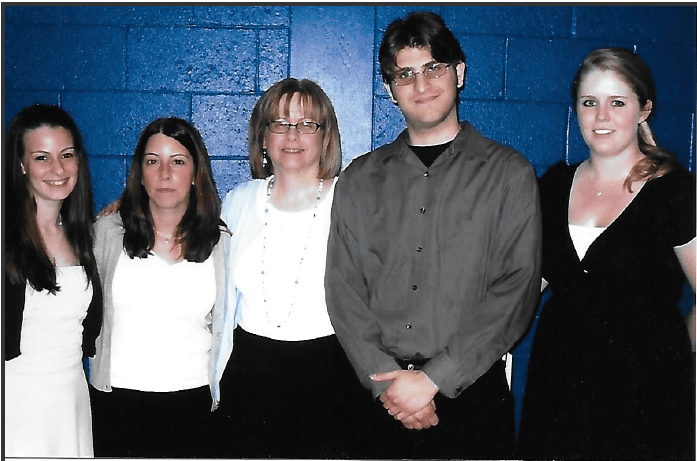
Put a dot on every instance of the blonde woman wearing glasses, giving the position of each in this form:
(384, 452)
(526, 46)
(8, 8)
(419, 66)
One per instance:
(283, 384)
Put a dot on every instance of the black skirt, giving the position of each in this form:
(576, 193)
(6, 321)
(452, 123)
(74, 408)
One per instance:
(287, 399)
(128, 423)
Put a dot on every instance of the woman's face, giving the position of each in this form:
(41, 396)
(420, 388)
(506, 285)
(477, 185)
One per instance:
(293, 152)
(609, 113)
(49, 163)
(168, 173)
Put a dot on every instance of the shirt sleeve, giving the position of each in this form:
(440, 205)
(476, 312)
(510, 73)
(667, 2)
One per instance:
(347, 294)
(504, 313)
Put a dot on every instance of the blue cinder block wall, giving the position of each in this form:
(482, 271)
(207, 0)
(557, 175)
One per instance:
(117, 67)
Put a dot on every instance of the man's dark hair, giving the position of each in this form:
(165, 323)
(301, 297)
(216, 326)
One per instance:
(418, 30)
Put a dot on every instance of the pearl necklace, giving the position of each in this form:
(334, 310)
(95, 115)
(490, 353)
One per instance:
(302, 255)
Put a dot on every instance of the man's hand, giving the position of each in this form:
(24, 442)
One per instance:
(409, 393)
(422, 419)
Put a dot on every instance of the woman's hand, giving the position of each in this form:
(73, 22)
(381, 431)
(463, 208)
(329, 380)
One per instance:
(110, 209)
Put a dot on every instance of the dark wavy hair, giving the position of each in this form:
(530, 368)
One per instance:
(199, 229)
(629, 67)
(420, 29)
(26, 259)
(267, 110)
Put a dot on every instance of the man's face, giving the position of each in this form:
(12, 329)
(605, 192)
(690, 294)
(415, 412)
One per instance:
(427, 103)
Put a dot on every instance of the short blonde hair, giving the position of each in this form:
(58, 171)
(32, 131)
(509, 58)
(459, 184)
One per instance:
(267, 110)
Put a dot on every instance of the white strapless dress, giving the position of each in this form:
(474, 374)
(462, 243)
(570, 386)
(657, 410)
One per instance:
(47, 406)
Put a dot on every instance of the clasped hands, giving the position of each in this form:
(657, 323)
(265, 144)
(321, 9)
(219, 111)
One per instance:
(409, 398)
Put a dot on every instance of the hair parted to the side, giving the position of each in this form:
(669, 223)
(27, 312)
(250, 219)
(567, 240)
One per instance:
(420, 29)
(199, 229)
(25, 254)
(316, 105)
(629, 67)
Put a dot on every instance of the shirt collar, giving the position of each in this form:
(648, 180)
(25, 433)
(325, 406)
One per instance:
(464, 143)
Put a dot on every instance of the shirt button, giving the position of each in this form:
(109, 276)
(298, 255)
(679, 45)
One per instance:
(585, 271)
(408, 326)
(419, 249)
(426, 175)
(414, 287)
(422, 210)
(410, 367)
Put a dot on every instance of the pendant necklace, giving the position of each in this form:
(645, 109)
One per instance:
(302, 255)
(166, 237)
(598, 193)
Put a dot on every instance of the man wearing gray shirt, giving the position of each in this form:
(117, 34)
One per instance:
(433, 263)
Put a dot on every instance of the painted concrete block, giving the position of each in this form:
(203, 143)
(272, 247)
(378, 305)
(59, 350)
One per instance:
(536, 131)
(222, 121)
(94, 57)
(189, 59)
(144, 15)
(266, 15)
(510, 20)
(112, 121)
(645, 24)
(34, 14)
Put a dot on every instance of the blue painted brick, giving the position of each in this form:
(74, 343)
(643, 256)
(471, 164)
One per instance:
(188, 59)
(228, 174)
(112, 121)
(268, 15)
(663, 24)
(543, 69)
(484, 78)
(510, 20)
(222, 121)
(35, 14)
(32, 60)
(94, 57)
(108, 176)
(14, 100)
(537, 131)
(673, 130)
(128, 15)
(577, 150)
(274, 53)
(387, 122)
(384, 15)
(673, 70)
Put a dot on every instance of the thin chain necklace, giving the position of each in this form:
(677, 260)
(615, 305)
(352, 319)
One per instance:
(598, 192)
(163, 236)
(302, 255)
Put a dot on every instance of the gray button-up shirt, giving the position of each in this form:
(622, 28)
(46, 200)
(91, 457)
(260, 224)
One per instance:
(439, 263)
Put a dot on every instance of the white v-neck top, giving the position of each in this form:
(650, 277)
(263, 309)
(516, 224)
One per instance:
(161, 335)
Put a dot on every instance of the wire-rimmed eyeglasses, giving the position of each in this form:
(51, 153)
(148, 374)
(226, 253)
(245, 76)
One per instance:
(408, 76)
(305, 127)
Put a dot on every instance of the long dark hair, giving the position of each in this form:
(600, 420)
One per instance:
(636, 74)
(25, 254)
(199, 229)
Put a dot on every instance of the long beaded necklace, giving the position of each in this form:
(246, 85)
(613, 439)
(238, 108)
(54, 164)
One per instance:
(302, 255)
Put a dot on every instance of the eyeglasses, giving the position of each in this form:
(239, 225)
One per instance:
(281, 126)
(408, 76)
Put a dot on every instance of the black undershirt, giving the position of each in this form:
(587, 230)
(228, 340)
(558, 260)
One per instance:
(429, 154)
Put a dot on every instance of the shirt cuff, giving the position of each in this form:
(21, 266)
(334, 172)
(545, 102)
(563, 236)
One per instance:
(444, 373)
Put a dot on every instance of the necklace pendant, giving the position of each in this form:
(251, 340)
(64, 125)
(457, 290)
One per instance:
(599, 193)
(166, 241)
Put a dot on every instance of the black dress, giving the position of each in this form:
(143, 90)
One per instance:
(611, 372)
